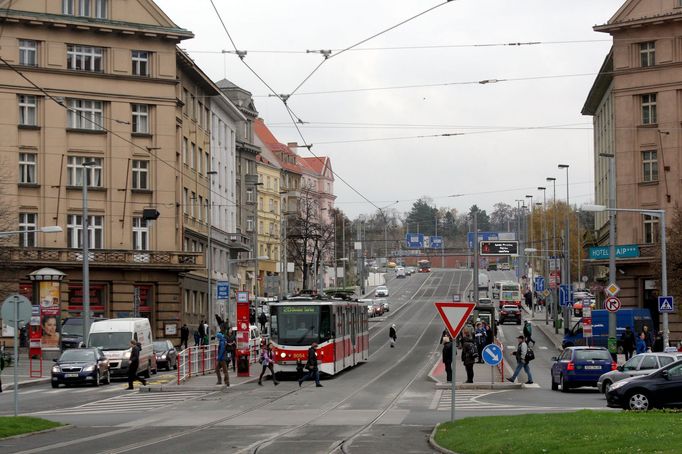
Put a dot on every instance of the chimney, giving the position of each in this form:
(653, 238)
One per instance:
(293, 146)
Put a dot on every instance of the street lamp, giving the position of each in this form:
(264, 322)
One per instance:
(86, 250)
(532, 242)
(520, 269)
(612, 243)
(46, 229)
(543, 235)
(664, 265)
(555, 305)
(568, 232)
(209, 254)
(255, 185)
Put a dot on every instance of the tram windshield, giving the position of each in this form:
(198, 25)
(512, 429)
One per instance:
(300, 325)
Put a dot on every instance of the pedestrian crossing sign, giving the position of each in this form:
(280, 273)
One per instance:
(666, 304)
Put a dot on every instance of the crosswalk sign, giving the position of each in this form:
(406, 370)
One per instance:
(666, 304)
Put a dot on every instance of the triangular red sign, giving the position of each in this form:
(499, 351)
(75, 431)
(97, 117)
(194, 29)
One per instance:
(455, 315)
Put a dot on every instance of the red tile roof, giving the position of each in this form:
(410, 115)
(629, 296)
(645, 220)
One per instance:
(269, 140)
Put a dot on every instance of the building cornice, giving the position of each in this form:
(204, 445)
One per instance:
(674, 16)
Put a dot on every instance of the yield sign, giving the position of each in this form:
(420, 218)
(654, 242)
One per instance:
(455, 315)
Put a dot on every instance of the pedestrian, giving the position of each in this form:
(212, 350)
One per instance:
(392, 335)
(133, 364)
(648, 337)
(522, 361)
(528, 332)
(489, 337)
(202, 332)
(469, 355)
(252, 316)
(311, 365)
(197, 338)
(658, 343)
(267, 361)
(479, 336)
(184, 335)
(231, 340)
(2, 365)
(528, 297)
(262, 319)
(299, 369)
(205, 336)
(641, 343)
(447, 357)
(221, 359)
(445, 334)
(628, 342)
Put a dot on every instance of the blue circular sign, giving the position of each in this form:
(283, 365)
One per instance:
(492, 355)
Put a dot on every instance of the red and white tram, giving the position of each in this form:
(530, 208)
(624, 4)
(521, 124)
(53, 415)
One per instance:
(341, 329)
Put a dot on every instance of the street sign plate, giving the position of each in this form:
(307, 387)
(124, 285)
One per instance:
(414, 240)
(612, 304)
(492, 354)
(456, 298)
(23, 309)
(587, 330)
(565, 295)
(612, 289)
(539, 283)
(499, 247)
(223, 290)
(242, 297)
(436, 242)
(455, 315)
(546, 293)
(666, 304)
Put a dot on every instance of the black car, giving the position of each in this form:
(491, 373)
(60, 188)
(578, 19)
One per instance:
(662, 388)
(166, 355)
(72, 332)
(510, 313)
(81, 365)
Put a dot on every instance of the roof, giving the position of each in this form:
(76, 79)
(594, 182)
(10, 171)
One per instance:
(635, 13)
(600, 86)
(277, 148)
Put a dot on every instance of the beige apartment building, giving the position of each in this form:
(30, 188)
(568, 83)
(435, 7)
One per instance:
(108, 89)
(636, 103)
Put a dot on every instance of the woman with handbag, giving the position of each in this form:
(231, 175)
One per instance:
(267, 361)
(311, 365)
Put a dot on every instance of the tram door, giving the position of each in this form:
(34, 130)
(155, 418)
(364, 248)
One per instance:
(353, 333)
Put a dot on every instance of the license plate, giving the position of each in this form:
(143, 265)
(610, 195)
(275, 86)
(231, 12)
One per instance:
(70, 375)
(593, 367)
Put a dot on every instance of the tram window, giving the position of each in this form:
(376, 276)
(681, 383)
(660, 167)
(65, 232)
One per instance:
(274, 329)
(325, 323)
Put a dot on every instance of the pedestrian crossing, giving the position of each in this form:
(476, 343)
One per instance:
(128, 403)
(464, 400)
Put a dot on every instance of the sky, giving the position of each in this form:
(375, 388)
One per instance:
(494, 157)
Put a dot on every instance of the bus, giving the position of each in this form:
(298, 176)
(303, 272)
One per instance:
(341, 329)
(424, 266)
(510, 293)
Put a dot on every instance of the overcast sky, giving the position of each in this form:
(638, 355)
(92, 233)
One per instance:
(487, 167)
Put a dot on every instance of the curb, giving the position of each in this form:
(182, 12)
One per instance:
(442, 385)
(38, 432)
(26, 384)
(549, 333)
(436, 446)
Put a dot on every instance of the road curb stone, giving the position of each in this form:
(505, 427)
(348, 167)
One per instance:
(436, 446)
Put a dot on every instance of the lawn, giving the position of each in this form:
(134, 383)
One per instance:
(582, 431)
(10, 425)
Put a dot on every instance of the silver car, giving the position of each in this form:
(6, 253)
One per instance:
(638, 365)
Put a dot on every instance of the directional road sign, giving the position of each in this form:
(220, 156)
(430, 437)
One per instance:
(612, 304)
(565, 295)
(666, 304)
(455, 315)
(539, 283)
(414, 240)
(612, 289)
(492, 354)
(223, 290)
(436, 242)
(499, 247)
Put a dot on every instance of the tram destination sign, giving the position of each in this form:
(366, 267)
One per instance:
(499, 247)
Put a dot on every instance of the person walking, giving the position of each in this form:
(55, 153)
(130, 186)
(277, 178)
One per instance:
(528, 332)
(202, 332)
(641, 343)
(392, 335)
(184, 335)
(205, 338)
(522, 361)
(489, 337)
(628, 342)
(528, 298)
(479, 336)
(469, 355)
(267, 361)
(311, 365)
(231, 340)
(221, 359)
(133, 364)
(262, 319)
(648, 337)
(447, 358)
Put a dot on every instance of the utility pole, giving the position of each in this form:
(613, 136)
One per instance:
(475, 276)
(612, 342)
(555, 296)
(86, 251)
(209, 253)
(359, 265)
(545, 245)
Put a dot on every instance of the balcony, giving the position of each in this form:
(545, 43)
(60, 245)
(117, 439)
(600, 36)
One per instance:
(178, 261)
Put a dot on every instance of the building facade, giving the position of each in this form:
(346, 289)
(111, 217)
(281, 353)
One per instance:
(269, 226)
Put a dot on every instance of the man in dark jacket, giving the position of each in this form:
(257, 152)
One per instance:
(627, 339)
(469, 354)
(392, 335)
(184, 335)
(262, 319)
(311, 365)
(521, 363)
(447, 357)
(133, 364)
(202, 332)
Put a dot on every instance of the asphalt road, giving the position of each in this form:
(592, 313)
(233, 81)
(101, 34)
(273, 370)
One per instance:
(386, 405)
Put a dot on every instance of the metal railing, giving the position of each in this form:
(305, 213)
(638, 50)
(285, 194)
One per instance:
(500, 366)
(195, 361)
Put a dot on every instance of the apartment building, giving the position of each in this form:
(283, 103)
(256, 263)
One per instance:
(269, 225)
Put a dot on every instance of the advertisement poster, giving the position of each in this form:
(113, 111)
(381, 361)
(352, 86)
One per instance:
(49, 314)
(243, 326)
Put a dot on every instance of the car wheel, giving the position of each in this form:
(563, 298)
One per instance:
(563, 384)
(97, 379)
(55, 385)
(606, 386)
(147, 373)
(555, 385)
(638, 401)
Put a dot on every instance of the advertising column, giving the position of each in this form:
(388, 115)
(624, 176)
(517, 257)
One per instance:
(50, 310)
(243, 344)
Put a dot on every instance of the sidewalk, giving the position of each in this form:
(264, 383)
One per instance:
(547, 329)
(482, 376)
(208, 382)
(23, 375)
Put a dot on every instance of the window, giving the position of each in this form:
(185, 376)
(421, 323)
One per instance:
(271, 228)
(647, 54)
(28, 225)
(249, 224)
(140, 63)
(272, 206)
(28, 52)
(200, 210)
(649, 362)
(260, 227)
(141, 118)
(84, 114)
(194, 201)
(85, 8)
(27, 168)
(75, 171)
(74, 231)
(649, 109)
(260, 203)
(650, 229)
(140, 174)
(649, 166)
(200, 161)
(28, 106)
(249, 195)
(193, 156)
(186, 200)
(101, 9)
(185, 150)
(140, 234)
(84, 58)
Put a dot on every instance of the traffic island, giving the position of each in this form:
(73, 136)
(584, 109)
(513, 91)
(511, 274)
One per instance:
(599, 431)
(482, 377)
(16, 426)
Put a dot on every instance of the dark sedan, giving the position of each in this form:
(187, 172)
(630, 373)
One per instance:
(510, 313)
(81, 366)
(166, 354)
(662, 388)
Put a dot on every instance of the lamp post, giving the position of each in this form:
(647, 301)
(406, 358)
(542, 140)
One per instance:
(530, 277)
(612, 244)
(255, 183)
(555, 295)
(568, 233)
(520, 267)
(86, 250)
(664, 259)
(545, 243)
(209, 280)
(381, 210)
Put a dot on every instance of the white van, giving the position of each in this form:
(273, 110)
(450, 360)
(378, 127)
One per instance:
(400, 272)
(113, 337)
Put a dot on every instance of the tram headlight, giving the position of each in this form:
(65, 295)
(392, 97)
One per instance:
(283, 355)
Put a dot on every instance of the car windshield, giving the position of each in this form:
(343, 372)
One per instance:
(72, 327)
(77, 355)
(160, 346)
(110, 341)
(592, 355)
(381, 288)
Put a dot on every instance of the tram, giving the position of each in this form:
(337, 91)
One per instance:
(341, 329)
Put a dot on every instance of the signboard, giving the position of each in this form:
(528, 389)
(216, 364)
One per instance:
(456, 298)
(554, 263)
(436, 242)
(612, 304)
(499, 247)
(539, 283)
(490, 236)
(565, 295)
(625, 251)
(554, 279)
(455, 315)
(242, 297)
(612, 289)
(414, 240)
(222, 290)
(50, 312)
(666, 304)
(243, 346)
(492, 354)
(546, 293)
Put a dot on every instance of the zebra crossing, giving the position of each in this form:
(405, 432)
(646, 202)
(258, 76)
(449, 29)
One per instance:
(128, 403)
(466, 400)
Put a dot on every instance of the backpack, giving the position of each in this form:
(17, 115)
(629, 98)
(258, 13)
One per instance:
(530, 355)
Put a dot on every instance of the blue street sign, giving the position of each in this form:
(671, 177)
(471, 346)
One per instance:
(414, 240)
(492, 354)
(539, 283)
(223, 290)
(666, 304)
(623, 251)
(565, 295)
(436, 242)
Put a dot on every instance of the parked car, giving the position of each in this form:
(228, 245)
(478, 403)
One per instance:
(369, 303)
(378, 308)
(381, 291)
(113, 337)
(510, 313)
(72, 332)
(166, 354)
(580, 366)
(386, 306)
(661, 388)
(638, 365)
(81, 366)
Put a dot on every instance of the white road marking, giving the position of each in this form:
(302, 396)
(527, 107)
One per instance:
(135, 402)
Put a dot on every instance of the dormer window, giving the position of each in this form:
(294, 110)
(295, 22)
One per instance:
(86, 8)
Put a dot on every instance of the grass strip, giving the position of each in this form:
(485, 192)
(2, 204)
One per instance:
(11, 425)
